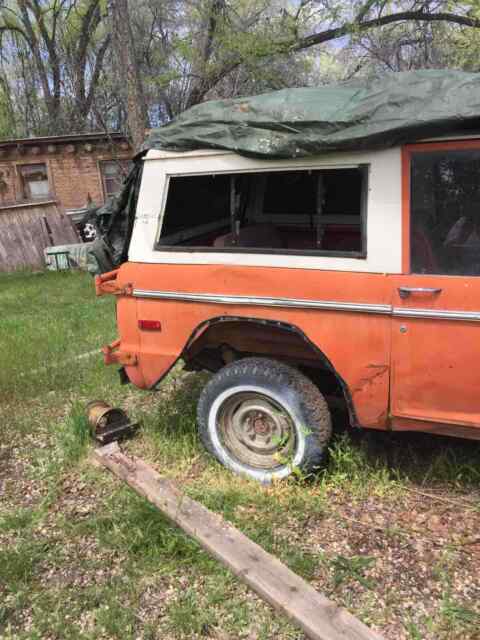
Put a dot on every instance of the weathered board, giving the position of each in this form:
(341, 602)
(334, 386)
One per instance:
(25, 231)
(317, 616)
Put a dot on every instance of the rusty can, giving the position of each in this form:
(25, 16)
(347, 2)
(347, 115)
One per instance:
(108, 423)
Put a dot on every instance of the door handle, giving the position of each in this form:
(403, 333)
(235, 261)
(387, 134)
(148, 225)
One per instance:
(405, 292)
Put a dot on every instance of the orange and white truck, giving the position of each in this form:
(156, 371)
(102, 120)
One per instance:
(343, 277)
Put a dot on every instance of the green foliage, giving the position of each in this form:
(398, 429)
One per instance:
(455, 613)
(351, 569)
(49, 319)
(114, 617)
(133, 526)
(18, 520)
(7, 115)
(73, 436)
(19, 564)
(465, 43)
(187, 616)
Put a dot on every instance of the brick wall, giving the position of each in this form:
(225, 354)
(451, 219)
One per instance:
(73, 170)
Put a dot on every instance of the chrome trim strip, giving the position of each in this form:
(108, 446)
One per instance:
(298, 303)
(291, 303)
(436, 314)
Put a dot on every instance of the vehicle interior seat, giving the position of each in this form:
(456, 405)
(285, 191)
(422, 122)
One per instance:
(424, 260)
(335, 238)
(258, 235)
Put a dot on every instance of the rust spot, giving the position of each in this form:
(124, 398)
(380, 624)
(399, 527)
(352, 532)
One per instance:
(379, 370)
(381, 418)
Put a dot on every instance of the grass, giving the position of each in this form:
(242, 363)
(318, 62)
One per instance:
(82, 556)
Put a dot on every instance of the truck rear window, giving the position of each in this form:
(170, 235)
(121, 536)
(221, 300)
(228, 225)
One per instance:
(307, 211)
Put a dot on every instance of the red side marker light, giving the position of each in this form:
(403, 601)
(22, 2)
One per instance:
(150, 325)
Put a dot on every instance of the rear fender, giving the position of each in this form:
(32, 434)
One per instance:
(261, 337)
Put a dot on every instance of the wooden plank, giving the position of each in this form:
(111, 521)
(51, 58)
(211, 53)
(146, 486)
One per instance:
(23, 235)
(318, 617)
(62, 230)
(13, 241)
(18, 249)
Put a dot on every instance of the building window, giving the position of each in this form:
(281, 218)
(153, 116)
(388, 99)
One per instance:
(321, 212)
(34, 181)
(445, 212)
(113, 173)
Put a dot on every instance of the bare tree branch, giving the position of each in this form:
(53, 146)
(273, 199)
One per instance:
(403, 16)
(96, 75)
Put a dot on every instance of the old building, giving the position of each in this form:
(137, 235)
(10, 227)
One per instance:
(67, 170)
(45, 186)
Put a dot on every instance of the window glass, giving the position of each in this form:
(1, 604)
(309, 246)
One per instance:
(295, 192)
(113, 175)
(289, 211)
(445, 212)
(290, 192)
(196, 201)
(34, 178)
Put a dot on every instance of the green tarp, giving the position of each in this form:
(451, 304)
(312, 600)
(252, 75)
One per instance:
(359, 114)
(293, 123)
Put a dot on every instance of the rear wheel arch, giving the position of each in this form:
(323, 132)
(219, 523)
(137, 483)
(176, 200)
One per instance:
(224, 339)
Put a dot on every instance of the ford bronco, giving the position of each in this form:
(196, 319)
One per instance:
(302, 283)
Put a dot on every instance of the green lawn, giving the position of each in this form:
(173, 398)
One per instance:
(390, 528)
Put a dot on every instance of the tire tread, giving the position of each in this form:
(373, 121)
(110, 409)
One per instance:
(312, 402)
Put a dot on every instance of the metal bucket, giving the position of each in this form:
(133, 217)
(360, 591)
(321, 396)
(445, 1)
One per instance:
(108, 423)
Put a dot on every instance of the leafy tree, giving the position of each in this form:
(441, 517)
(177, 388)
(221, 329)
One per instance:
(56, 33)
(61, 70)
(464, 45)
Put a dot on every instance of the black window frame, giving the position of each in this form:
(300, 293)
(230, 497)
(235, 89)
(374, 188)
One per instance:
(357, 255)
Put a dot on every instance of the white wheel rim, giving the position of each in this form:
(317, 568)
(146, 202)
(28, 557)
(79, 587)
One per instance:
(226, 456)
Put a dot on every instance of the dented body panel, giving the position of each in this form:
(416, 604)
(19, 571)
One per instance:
(366, 333)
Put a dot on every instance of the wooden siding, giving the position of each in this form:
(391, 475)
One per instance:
(25, 231)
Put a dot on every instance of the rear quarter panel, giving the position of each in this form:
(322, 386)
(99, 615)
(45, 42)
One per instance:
(357, 344)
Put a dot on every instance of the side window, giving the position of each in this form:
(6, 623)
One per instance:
(113, 174)
(445, 212)
(309, 211)
(290, 193)
(197, 210)
(34, 181)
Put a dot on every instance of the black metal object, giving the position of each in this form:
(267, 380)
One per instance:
(108, 424)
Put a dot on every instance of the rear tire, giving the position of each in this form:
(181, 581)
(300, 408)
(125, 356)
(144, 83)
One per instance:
(263, 419)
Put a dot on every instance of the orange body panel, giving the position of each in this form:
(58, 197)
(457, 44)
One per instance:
(357, 344)
(435, 362)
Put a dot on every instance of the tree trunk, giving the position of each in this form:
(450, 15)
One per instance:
(201, 84)
(127, 71)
